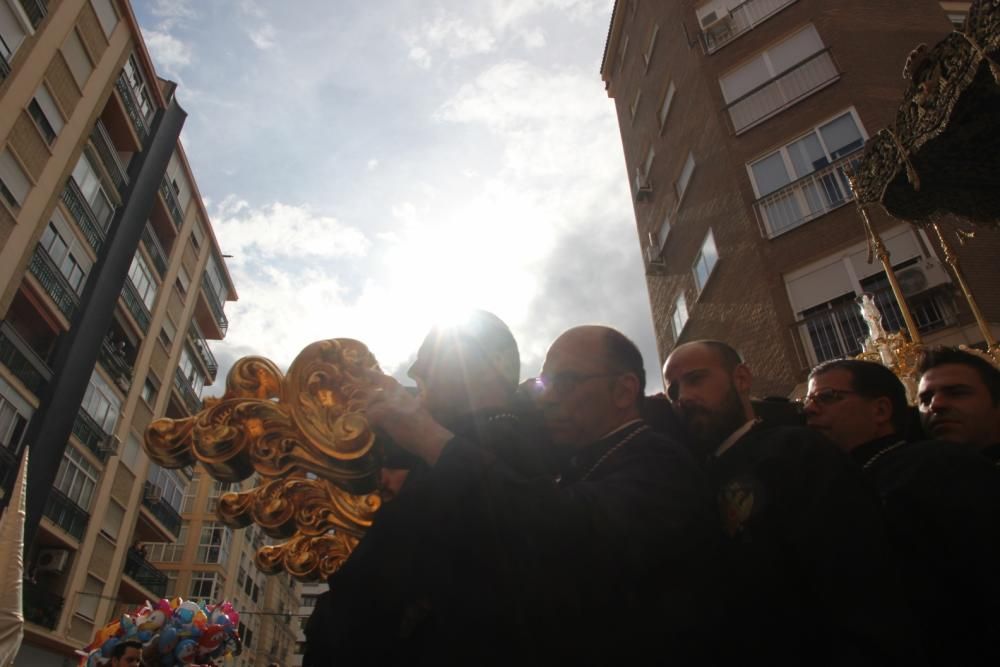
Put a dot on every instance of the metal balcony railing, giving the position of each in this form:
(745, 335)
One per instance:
(53, 282)
(155, 250)
(66, 514)
(135, 305)
(839, 331)
(215, 303)
(186, 391)
(199, 343)
(109, 155)
(21, 360)
(85, 218)
(152, 498)
(739, 20)
(113, 358)
(773, 96)
(36, 10)
(91, 435)
(145, 574)
(41, 607)
(170, 199)
(807, 198)
(132, 107)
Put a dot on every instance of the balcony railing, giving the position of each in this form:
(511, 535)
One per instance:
(170, 199)
(144, 574)
(739, 20)
(215, 303)
(109, 155)
(807, 198)
(66, 514)
(53, 282)
(840, 331)
(41, 607)
(184, 388)
(112, 357)
(155, 250)
(784, 90)
(152, 498)
(204, 351)
(8, 466)
(80, 210)
(22, 361)
(91, 435)
(36, 10)
(132, 107)
(4, 67)
(135, 305)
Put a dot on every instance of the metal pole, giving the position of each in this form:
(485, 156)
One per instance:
(882, 253)
(951, 259)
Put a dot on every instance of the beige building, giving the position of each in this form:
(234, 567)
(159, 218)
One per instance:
(309, 593)
(111, 283)
(739, 120)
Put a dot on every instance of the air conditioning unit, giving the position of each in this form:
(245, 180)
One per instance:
(109, 446)
(642, 187)
(921, 277)
(52, 560)
(153, 494)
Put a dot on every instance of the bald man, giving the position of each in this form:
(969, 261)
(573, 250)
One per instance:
(610, 561)
(806, 567)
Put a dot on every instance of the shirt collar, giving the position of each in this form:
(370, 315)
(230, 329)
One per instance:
(734, 436)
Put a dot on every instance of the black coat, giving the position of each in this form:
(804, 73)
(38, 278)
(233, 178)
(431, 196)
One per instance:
(941, 503)
(808, 571)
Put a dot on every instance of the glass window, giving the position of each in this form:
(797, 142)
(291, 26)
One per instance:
(12, 425)
(706, 260)
(89, 598)
(668, 100)
(682, 181)
(169, 552)
(206, 586)
(635, 102)
(77, 59)
(46, 113)
(111, 522)
(648, 164)
(86, 178)
(11, 31)
(680, 315)
(142, 279)
(171, 485)
(14, 183)
(213, 278)
(101, 402)
(648, 55)
(770, 63)
(213, 547)
(137, 82)
(130, 452)
(841, 136)
(77, 478)
(106, 15)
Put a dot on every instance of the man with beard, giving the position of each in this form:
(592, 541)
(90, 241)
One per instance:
(806, 570)
(611, 562)
(960, 399)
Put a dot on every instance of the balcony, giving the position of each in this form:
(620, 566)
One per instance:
(717, 33)
(66, 514)
(109, 155)
(22, 361)
(53, 282)
(838, 332)
(8, 470)
(91, 435)
(4, 67)
(136, 307)
(115, 362)
(173, 206)
(155, 250)
(132, 108)
(215, 303)
(152, 499)
(80, 210)
(41, 606)
(807, 198)
(773, 96)
(199, 343)
(184, 388)
(144, 574)
(36, 10)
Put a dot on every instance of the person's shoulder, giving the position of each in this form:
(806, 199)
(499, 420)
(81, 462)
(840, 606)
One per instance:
(939, 459)
(656, 444)
(784, 439)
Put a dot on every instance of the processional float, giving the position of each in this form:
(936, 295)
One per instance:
(304, 433)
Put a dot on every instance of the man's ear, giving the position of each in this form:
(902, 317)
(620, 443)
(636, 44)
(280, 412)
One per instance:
(626, 390)
(882, 409)
(742, 379)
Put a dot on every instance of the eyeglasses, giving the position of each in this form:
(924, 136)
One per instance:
(561, 384)
(827, 397)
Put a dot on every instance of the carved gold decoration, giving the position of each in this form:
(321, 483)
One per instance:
(306, 436)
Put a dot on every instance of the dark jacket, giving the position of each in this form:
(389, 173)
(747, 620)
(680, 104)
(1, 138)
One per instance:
(808, 571)
(941, 504)
(992, 454)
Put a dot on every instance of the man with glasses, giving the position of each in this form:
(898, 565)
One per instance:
(941, 505)
(610, 560)
(807, 573)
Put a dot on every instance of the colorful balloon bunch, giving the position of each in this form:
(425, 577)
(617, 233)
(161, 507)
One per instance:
(173, 632)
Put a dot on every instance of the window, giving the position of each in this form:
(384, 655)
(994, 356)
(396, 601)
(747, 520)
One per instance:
(45, 112)
(680, 187)
(14, 183)
(680, 315)
(89, 598)
(648, 55)
(197, 235)
(149, 389)
(171, 589)
(12, 424)
(622, 52)
(190, 497)
(770, 63)
(668, 100)
(213, 279)
(86, 178)
(783, 173)
(647, 165)
(12, 31)
(663, 232)
(106, 15)
(191, 371)
(55, 243)
(705, 262)
(111, 522)
(140, 90)
(171, 485)
(308, 600)
(957, 20)
(129, 454)
(183, 281)
(169, 552)
(77, 59)
(218, 488)
(101, 402)
(77, 478)
(142, 279)
(213, 547)
(206, 586)
(635, 103)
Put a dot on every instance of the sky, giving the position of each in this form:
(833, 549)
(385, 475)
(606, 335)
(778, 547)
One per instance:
(372, 167)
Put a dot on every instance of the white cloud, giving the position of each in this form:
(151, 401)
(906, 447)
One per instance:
(262, 36)
(450, 35)
(170, 54)
(172, 11)
(371, 165)
(533, 38)
(421, 57)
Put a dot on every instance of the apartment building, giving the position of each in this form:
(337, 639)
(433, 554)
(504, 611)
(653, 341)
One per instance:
(111, 284)
(309, 593)
(739, 120)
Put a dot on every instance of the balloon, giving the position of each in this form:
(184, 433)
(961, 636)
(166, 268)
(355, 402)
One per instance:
(168, 640)
(186, 651)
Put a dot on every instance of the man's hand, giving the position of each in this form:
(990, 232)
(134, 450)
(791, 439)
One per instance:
(401, 415)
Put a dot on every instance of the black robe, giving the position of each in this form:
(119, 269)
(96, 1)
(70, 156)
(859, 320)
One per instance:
(941, 504)
(808, 571)
(992, 454)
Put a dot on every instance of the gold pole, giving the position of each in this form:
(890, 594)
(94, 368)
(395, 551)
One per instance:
(878, 246)
(951, 259)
